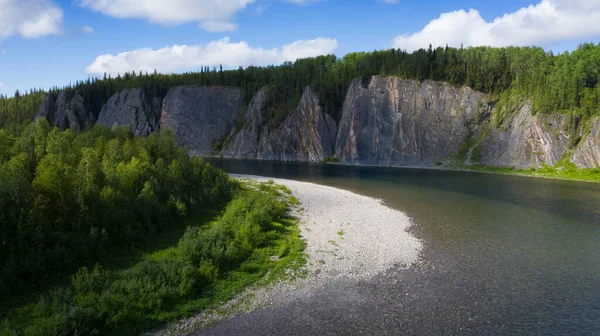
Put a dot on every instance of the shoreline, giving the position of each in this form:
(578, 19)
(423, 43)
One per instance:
(438, 168)
(337, 221)
(349, 238)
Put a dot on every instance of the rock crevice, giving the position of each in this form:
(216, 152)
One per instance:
(65, 110)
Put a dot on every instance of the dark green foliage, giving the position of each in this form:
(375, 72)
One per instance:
(241, 229)
(235, 251)
(21, 107)
(68, 200)
(565, 82)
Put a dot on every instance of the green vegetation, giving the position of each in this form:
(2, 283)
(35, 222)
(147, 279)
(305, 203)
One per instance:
(565, 170)
(70, 200)
(331, 159)
(567, 82)
(93, 234)
(211, 263)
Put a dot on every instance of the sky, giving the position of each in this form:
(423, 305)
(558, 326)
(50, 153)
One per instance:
(45, 43)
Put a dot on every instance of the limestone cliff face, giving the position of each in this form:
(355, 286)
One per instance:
(65, 110)
(244, 139)
(526, 141)
(587, 154)
(134, 109)
(388, 121)
(200, 116)
(397, 122)
(307, 134)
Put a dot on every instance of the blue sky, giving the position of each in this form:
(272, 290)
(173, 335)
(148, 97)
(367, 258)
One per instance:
(54, 42)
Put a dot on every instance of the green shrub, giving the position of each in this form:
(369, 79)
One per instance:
(213, 261)
(232, 238)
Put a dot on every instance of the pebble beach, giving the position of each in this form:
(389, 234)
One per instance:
(349, 237)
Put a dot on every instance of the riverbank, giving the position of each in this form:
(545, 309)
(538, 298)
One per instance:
(567, 172)
(349, 238)
(348, 235)
(501, 255)
(554, 173)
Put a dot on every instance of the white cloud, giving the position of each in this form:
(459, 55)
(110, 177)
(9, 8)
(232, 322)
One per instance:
(302, 2)
(217, 26)
(213, 15)
(546, 22)
(1, 85)
(190, 57)
(87, 29)
(29, 18)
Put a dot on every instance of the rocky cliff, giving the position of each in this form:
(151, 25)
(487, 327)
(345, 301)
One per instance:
(397, 122)
(200, 116)
(525, 141)
(587, 153)
(244, 139)
(307, 134)
(385, 121)
(134, 109)
(65, 110)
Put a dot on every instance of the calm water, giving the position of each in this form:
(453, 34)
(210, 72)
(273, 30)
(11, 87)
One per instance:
(503, 254)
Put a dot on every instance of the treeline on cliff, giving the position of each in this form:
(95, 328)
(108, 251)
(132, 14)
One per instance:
(555, 83)
(68, 200)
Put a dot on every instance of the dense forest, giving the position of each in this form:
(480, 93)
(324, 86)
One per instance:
(555, 83)
(69, 200)
(105, 233)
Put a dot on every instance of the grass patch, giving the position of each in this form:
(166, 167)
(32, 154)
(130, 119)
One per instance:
(563, 170)
(284, 189)
(253, 241)
(331, 159)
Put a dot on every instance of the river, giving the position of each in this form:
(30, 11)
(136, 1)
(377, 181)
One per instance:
(503, 255)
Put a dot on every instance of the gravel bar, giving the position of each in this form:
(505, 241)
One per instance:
(349, 235)
(349, 238)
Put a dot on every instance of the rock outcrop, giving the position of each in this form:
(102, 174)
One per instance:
(386, 121)
(526, 141)
(244, 139)
(307, 134)
(132, 108)
(65, 110)
(587, 154)
(397, 122)
(201, 116)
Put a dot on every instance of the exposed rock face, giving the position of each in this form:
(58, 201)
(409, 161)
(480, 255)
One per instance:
(245, 141)
(65, 110)
(200, 116)
(132, 108)
(388, 121)
(394, 122)
(527, 141)
(587, 155)
(307, 134)
(48, 108)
